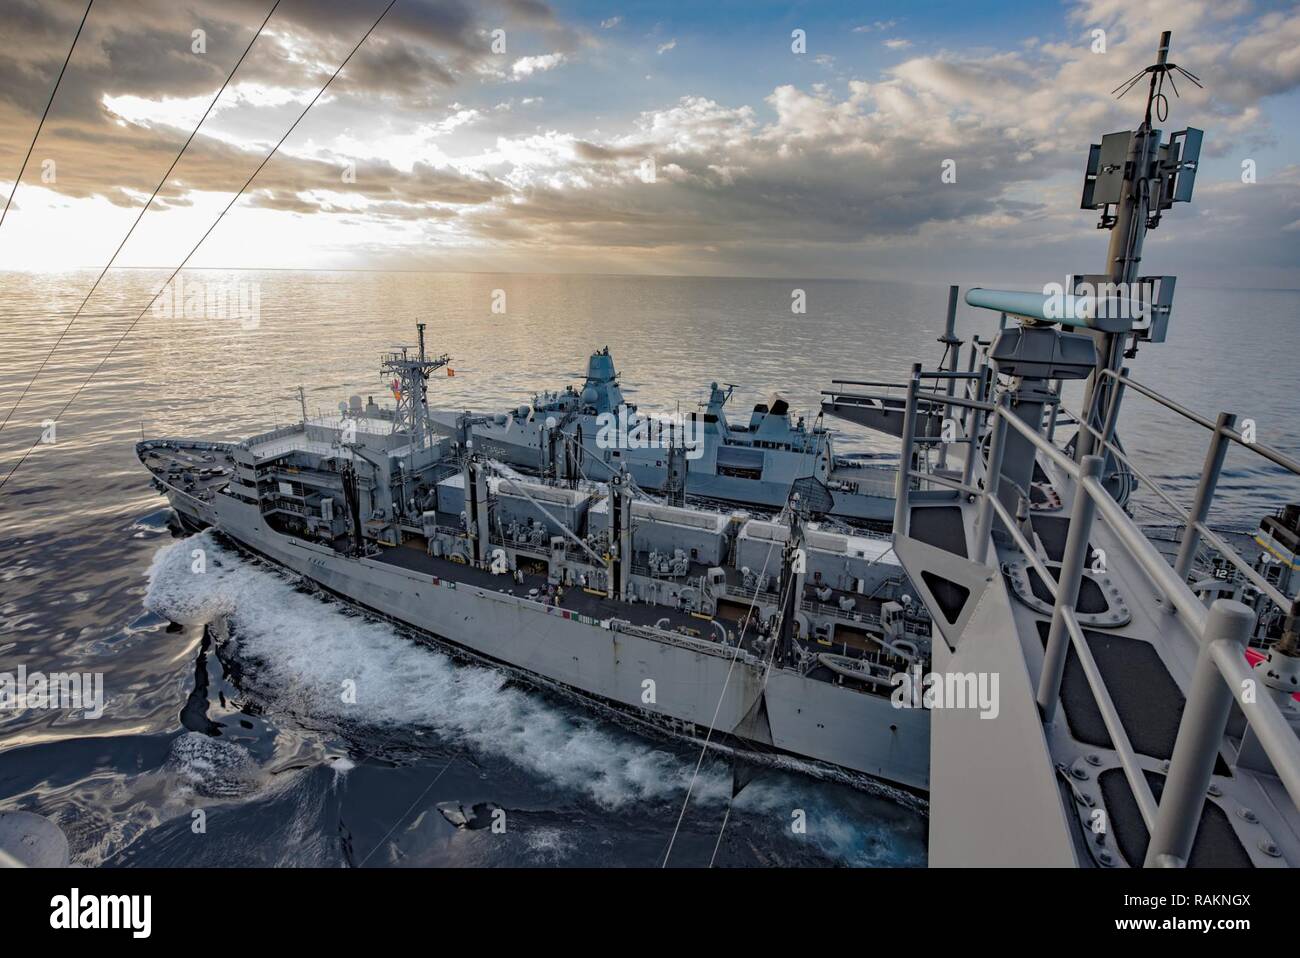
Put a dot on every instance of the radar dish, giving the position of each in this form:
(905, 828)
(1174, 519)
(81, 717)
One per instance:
(814, 499)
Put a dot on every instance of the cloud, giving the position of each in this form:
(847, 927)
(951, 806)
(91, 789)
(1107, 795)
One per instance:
(898, 43)
(854, 176)
(826, 177)
(611, 23)
(527, 66)
(665, 47)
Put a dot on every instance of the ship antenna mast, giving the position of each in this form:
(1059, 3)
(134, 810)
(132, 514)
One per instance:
(410, 385)
(1160, 70)
(1132, 178)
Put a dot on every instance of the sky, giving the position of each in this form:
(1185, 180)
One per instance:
(703, 138)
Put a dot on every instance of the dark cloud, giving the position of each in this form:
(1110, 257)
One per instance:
(821, 174)
(144, 49)
(602, 154)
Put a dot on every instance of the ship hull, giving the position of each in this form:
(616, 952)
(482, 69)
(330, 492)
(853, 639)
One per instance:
(695, 685)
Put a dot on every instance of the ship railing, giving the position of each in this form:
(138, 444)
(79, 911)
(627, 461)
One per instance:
(520, 545)
(743, 592)
(679, 639)
(833, 610)
(1195, 529)
(975, 413)
(279, 432)
(1223, 433)
(866, 618)
(1222, 630)
(971, 380)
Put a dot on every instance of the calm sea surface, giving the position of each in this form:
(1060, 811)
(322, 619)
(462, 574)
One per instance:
(251, 729)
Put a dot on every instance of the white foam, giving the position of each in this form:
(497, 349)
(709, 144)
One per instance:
(548, 845)
(212, 767)
(300, 649)
(306, 648)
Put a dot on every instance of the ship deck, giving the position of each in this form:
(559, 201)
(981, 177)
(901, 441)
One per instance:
(600, 607)
(574, 599)
(198, 469)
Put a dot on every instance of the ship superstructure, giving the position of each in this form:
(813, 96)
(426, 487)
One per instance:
(591, 431)
(1134, 728)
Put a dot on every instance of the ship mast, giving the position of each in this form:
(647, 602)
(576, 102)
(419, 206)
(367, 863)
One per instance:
(1132, 177)
(410, 385)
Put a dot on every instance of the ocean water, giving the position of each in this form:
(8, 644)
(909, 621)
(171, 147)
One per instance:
(223, 691)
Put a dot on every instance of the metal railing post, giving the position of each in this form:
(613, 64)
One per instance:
(992, 477)
(1083, 438)
(1200, 510)
(1112, 414)
(1056, 412)
(971, 386)
(1067, 590)
(974, 427)
(904, 484)
(1205, 718)
(952, 343)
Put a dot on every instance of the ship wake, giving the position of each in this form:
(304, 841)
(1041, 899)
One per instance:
(309, 655)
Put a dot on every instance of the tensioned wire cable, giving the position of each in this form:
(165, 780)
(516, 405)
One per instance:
(704, 748)
(206, 234)
(144, 209)
(48, 104)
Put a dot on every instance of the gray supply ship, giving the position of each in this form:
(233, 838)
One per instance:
(702, 455)
(1130, 723)
(775, 636)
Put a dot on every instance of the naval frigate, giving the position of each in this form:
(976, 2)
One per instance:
(1136, 726)
(705, 455)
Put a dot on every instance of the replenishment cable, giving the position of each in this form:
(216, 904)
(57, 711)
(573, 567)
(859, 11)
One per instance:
(48, 104)
(267, 159)
(140, 216)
